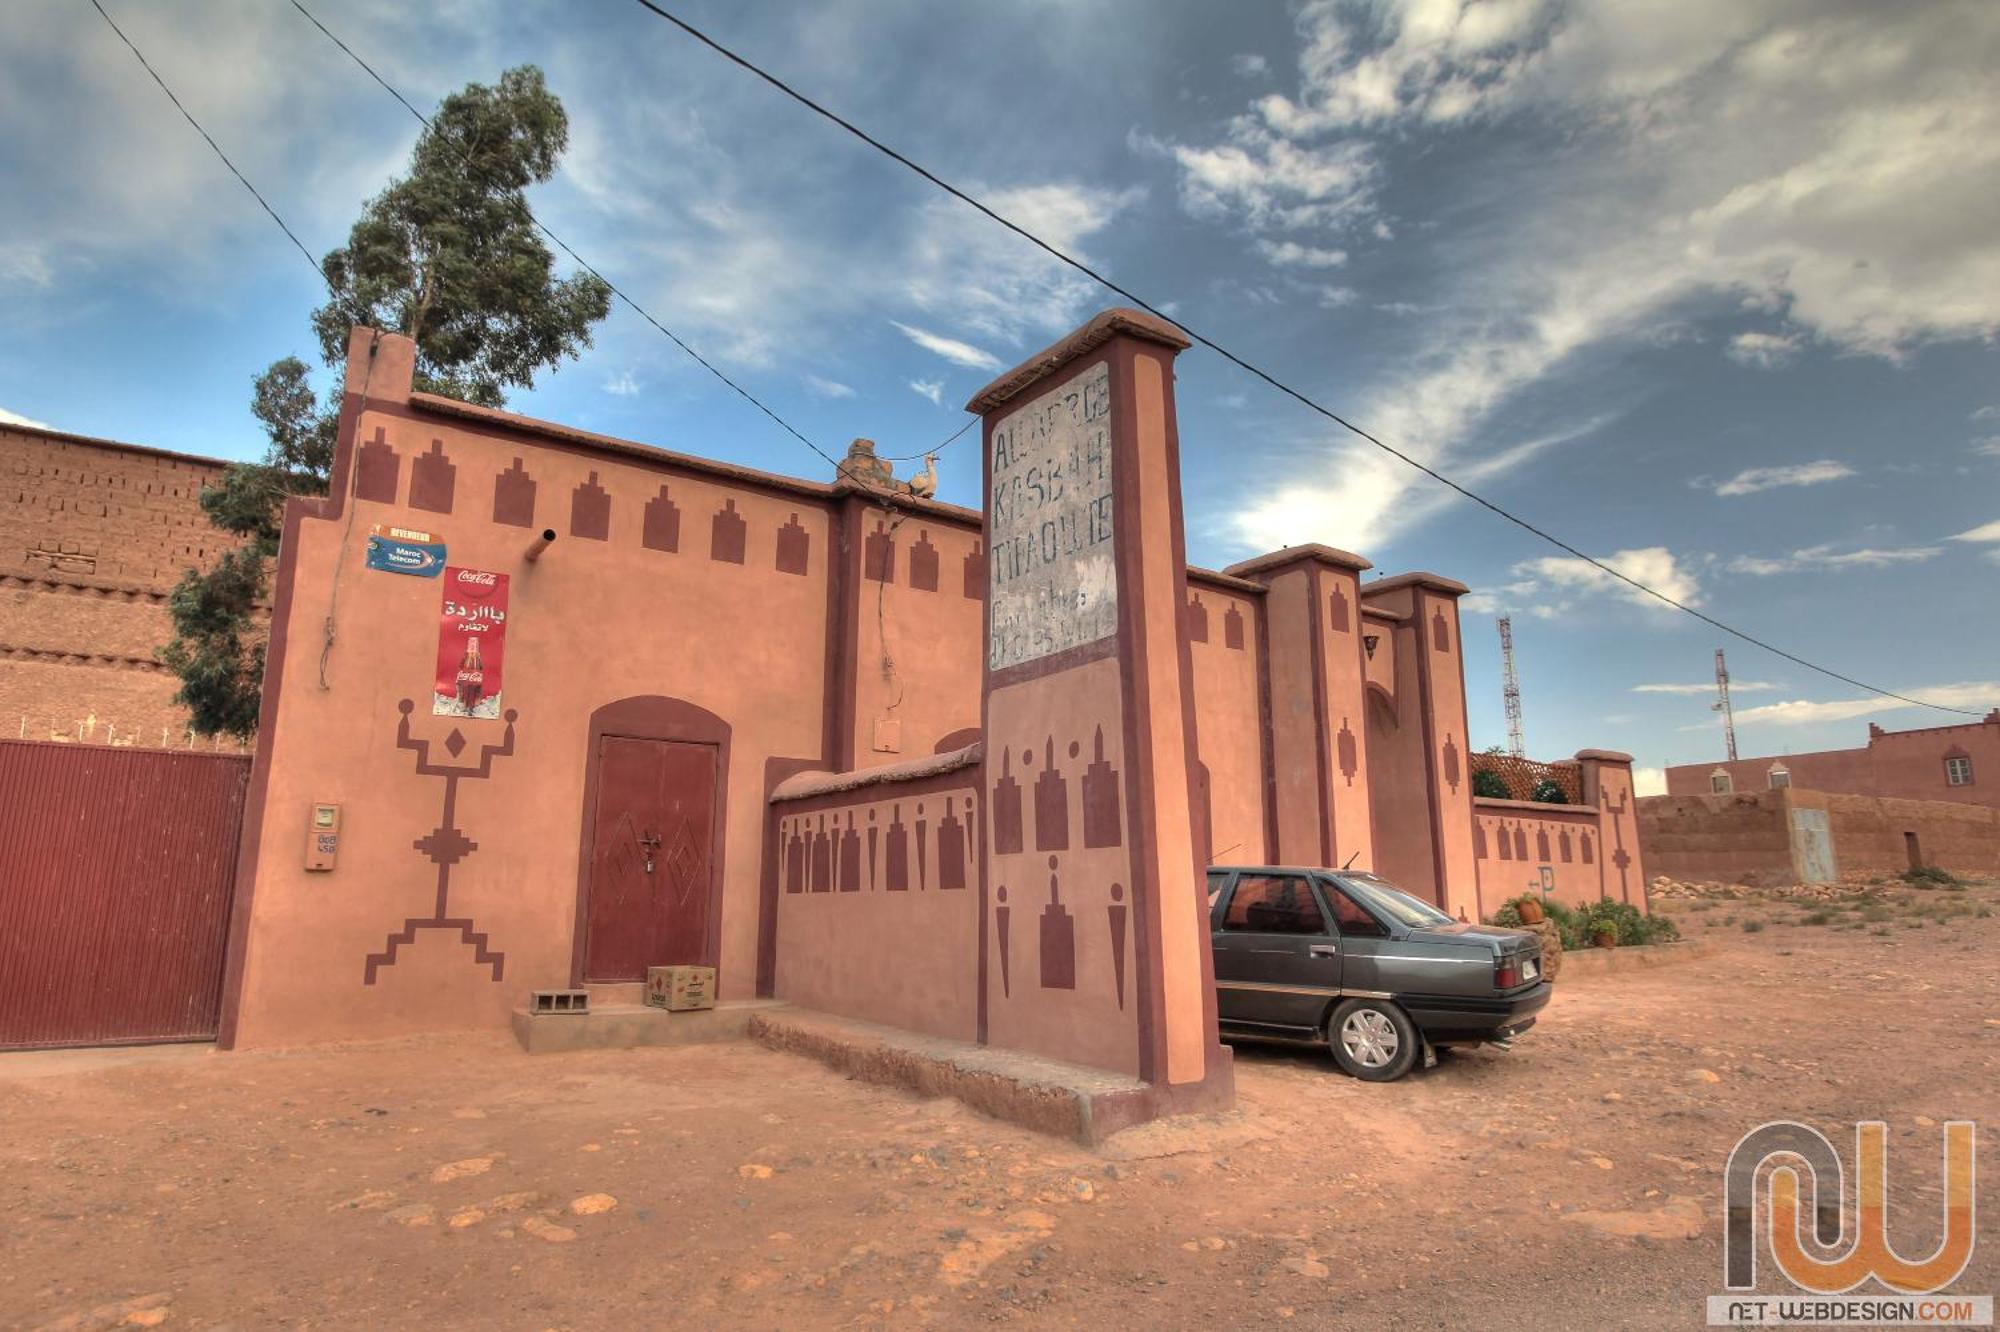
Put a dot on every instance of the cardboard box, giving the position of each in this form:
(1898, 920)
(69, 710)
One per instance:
(679, 989)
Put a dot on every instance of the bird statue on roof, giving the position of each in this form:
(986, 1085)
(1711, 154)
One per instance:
(924, 485)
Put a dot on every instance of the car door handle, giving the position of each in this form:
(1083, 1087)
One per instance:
(1324, 950)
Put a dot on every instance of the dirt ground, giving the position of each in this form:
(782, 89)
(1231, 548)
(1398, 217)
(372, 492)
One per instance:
(1574, 1182)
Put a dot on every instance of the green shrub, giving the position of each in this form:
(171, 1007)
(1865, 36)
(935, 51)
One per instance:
(1929, 876)
(1490, 784)
(1816, 918)
(1753, 926)
(1548, 792)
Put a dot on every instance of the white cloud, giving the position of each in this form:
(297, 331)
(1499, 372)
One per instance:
(1249, 65)
(1270, 179)
(1987, 413)
(1383, 231)
(1753, 479)
(1826, 557)
(929, 388)
(12, 418)
(622, 385)
(987, 280)
(1553, 586)
(1984, 532)
(1989, 446)
(1292, 254)
(1655, 566)
(1712, 151)
(1766, 351)
(1706, 687)
(828, 388)
(958, 353)
(1973, 696)
(1649, 781)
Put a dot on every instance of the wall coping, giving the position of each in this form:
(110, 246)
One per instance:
(1278, 559)
(1435, 582)
(1535, 806)
(1197, 574)
(1603, 755)
(434, 405)
(818, 783)
(1100, 330)
(145, 450)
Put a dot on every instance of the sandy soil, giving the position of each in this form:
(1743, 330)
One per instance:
(1574, 1182)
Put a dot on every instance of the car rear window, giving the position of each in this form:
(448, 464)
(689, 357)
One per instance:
(1274, 904)
(1391, 901)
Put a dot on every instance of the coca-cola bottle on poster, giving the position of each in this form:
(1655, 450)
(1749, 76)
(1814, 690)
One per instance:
(471, 676)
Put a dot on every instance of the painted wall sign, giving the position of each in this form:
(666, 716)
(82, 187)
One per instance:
(1054, 582)
(472, 637)
(405, 550)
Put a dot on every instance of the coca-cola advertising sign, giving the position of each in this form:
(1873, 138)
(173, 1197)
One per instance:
(472, 637)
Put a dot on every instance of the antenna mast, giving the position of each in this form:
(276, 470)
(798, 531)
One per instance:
(1721, 704)
(1510, 689)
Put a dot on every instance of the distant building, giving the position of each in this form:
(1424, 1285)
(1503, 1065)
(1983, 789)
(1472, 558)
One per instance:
(1954, 763)
(93, 536)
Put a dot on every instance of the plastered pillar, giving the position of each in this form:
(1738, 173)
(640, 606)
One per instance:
(1095, 942)
(1317, 723)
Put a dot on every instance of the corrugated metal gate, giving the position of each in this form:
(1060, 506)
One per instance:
(117, 867)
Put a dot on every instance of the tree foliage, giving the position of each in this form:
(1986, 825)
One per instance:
(448, 256)
(1490, 785)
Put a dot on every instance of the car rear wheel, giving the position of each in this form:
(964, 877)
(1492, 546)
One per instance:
(1373, 1040)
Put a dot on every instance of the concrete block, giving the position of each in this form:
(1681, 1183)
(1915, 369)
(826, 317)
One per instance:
(625, 1026)
(1084, 1105)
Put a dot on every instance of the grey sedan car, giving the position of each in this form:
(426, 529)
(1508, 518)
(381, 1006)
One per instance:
(1352, 961)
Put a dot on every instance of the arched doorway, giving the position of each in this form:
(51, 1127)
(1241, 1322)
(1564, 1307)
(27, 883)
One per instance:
(649, 871)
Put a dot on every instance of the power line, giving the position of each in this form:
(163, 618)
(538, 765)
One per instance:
(839, 467)
(187, 115)
(1258, 371)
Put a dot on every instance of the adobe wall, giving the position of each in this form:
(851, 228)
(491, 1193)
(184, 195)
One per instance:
(1907, 765)
(1869, 833)
(1421, 797)
(697, 589)
(912, 630)
(93, 536)
(1744, 837)
(1514, 840)
(1226, 653)
(880, 874)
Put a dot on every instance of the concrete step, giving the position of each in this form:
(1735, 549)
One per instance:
(612, 993)
(1085, 1105)
(617, 1026)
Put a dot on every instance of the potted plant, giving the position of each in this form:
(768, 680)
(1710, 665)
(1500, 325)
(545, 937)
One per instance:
(1602, 923)
(1530, 907)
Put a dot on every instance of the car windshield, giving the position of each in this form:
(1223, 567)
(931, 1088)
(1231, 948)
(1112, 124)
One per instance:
(1392, 901)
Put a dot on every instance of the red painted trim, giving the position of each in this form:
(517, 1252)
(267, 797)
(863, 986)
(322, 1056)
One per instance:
(652, 717)
(1190, 735)
(1148, 988)
(776, 770)
(1420, 643)
(1080, 655)
(1267, 744)
(1322, 762)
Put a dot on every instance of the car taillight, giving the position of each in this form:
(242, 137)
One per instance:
(1506, 974)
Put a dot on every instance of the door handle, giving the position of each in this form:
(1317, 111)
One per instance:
(1324, 950)
(650, 843)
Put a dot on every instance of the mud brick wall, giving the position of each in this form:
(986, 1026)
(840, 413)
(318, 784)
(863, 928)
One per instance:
(93, 536)
(1743, 838)
(1870, 833)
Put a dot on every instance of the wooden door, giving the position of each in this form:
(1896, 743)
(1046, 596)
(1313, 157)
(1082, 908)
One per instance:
(651, 879)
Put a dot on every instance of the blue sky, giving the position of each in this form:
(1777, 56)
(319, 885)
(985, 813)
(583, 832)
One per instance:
(1709, 288)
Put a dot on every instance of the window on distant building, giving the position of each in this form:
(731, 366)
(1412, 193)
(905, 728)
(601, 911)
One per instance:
(1720, 783)
(1958, 771)
(1780, 776)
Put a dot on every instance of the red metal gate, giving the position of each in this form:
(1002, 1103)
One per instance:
(116, 871)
